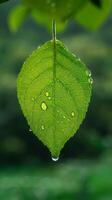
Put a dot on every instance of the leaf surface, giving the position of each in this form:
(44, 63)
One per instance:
(54, 89)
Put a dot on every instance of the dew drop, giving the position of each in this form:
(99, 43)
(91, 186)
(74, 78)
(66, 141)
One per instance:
(42, 127)
(30, 129)
(64, 117)
(88, 73)
(73, 114)
(55, 159)
(49, 98)
(90, 80)
(44, 106)
(47, 94)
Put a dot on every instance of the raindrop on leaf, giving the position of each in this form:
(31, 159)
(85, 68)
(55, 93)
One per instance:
(44, 106)
(73, 114)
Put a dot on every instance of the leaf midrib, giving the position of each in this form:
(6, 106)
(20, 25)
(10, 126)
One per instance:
(54, 88)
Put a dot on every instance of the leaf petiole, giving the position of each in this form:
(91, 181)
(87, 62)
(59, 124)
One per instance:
(54, 30)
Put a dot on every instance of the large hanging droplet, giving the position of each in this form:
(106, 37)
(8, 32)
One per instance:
(55, 159)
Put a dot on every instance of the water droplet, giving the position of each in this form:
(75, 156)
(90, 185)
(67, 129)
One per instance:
(47, 94)
(55, 159)
(30, 129)
(73, 114)
(44, 106)
(88, 73)
(64, 117)
(49, 98)
(90, 80)
(42, 127)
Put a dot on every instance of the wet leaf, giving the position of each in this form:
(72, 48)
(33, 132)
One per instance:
(54, 89)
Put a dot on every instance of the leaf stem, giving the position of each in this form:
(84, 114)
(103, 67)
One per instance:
(54, 30)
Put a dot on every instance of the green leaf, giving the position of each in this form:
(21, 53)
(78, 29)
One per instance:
(93, 17)
(59, 10)
(54, 89)
(17, 16)
(42, 19)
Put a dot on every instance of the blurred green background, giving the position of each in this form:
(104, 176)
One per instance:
(84, 171)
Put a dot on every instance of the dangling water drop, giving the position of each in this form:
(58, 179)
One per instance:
(44, 106)
(30, 129)
(55, 159)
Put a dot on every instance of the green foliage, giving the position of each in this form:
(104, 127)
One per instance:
(44, 20)
(56, 9)
(93, 17)
(17, 17)
(88, 13)
(54, 91)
